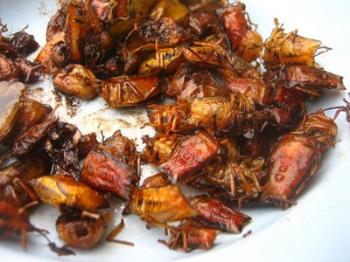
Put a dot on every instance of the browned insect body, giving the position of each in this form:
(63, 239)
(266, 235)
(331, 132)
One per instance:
(127, 91)
(195, 82)
(77, 81)
(237, 175)
(159, 205)
(15, 181)
(157, 180)
(215, 214)
(190, 235)
(311, 80)
(81, 232)
(14, 222)
(245, 41)
(296, 158)
(159, 148)
(63, 190)
(10, 96)
(190, 156)
(289, 48)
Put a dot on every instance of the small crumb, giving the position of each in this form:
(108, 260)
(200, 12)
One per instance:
(249, 232)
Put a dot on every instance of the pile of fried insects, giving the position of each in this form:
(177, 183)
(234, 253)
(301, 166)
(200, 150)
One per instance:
(234, 127)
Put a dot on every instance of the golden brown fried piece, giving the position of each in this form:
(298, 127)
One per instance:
(289, 48)
(160, 205)
(153, 34)
(80, 232)
(194, 82)
(10, 95)
(157, 180)
(62, 190)
(244, 40)
(164, 59)
(159, 148)
(125, 91)
(45, 56)
(169, 118)
(169, 8)
(190, 235)
(78, 81)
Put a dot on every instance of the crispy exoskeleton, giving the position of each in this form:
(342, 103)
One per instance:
(190, 156)
(80, 232)
(14, 222)
(8, 69)
(164, 59)
(27, 141)
(289, 48)
(164, 32)
(28, 72)
(296, 158)
(169, 8)
(215, 214)
(190, 235)
(159, 148)
(46, 56)
(104, 172)
(78, 81)
(10, 95)
(194, 82)
(159, 205)
(127, 91)
(169, 118)
(311, 80)
(157, 180)
(244, 40)
(121, 148)
(254, 89)
(62, 190)
(15, 179)
(30, 113)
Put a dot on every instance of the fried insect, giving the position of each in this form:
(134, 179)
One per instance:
(157, 180)
(15, 180)
(8, 69)
(244, 40)
(190, 156)
(125, 91)
(310, 80)
(14, 222)
(289, 48)
(28, 140)
(159, 205)
(194, 82)
(159, 148)
(10, 95)
(80, 232)
(78, 81)
(164, 32)
(215, 214)
(296, 158)
(104, 172)
(62, 190)
(190, 235)
(121, 148)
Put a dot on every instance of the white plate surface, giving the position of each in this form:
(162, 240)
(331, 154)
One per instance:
(317, 229)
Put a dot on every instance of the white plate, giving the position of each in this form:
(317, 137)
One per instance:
(317, 229)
